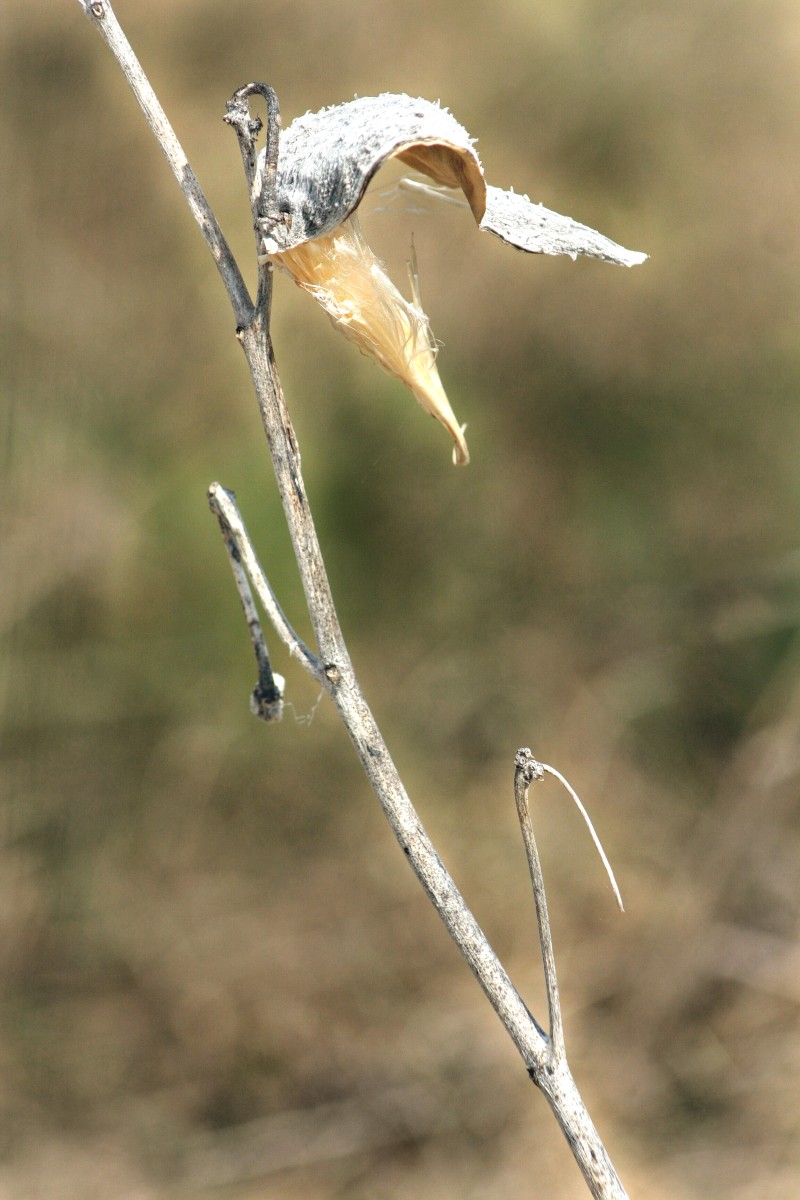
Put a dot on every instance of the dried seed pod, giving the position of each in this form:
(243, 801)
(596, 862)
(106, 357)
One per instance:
(325, 163)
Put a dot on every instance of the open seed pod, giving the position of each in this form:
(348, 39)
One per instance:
(325, 163)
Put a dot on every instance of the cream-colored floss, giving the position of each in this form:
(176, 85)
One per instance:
(343, 275)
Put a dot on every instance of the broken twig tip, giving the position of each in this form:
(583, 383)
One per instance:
(266, 701)
(529, 767)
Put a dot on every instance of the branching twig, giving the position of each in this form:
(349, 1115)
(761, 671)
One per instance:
(331, 665)
(267, 698)
(527, 771)
(244, 563)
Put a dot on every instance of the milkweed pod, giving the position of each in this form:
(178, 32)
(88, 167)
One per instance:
(325, 163)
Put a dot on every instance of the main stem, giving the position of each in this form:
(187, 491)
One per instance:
(339, 677)
(342, 685)
(554, 1078)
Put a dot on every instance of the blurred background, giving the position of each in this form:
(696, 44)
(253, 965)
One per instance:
(219, 977)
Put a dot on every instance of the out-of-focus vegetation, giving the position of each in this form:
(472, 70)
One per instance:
(219, 977)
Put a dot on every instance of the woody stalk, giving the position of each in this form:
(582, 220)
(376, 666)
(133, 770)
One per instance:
(305, 187)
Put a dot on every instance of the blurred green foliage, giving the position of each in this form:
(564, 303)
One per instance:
(206, 928)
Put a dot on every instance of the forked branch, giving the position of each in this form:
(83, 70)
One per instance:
(330, 663)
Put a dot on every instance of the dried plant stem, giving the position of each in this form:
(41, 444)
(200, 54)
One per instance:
(526, 770)
(332, 665)
(102, 17)
(244, 563)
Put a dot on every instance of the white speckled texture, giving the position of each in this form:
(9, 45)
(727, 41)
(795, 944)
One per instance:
(327, 159)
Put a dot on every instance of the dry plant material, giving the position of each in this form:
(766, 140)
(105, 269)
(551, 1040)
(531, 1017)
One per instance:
(325, 162)
(343, 275)
(283, 221)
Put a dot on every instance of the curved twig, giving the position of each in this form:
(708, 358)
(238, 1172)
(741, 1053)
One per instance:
(244, 564)
(261, 177)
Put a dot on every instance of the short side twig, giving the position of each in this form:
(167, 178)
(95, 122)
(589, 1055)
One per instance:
(555, 1078)
(266, 700)
(243, 564)
(526, 770)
